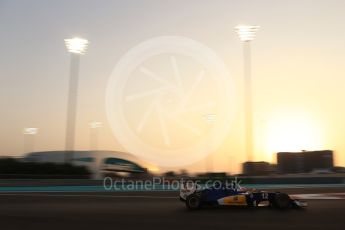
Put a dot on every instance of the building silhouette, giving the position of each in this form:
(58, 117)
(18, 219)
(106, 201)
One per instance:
(305, 161)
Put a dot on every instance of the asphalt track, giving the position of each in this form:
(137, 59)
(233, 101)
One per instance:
(157, 210)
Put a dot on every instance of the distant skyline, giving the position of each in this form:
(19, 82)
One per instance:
(297, 69)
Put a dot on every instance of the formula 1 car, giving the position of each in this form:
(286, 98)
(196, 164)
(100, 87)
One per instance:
(224, 196)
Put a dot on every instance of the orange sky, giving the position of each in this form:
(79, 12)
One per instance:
(297, 62)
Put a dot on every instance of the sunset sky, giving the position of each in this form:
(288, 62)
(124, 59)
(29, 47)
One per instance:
(298, 72)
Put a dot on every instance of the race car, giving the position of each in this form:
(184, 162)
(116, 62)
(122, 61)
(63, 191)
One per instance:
(222, 195)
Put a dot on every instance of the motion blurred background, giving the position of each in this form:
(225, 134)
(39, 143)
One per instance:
(297, 71)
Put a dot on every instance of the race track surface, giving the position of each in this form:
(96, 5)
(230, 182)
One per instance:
(155, 210)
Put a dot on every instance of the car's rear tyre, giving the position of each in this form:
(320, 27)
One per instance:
(193, 202)
(282, 201)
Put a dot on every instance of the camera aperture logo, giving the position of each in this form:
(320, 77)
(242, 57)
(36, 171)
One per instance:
(169, 101)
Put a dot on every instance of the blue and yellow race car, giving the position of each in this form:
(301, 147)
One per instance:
(222, 195)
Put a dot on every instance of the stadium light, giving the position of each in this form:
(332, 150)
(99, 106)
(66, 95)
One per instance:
(246, 34)
(29, 139)
(76, 45)
(94, 126)
(30, 131)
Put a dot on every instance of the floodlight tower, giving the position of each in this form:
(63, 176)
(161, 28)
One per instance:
(94, 127)
(76, 46)
(246, 34)
(29, 143)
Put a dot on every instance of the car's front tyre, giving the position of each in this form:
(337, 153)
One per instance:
(193, 202)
